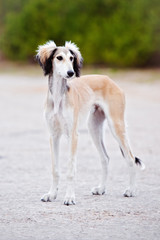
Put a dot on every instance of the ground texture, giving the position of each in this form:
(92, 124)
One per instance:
(25, 167)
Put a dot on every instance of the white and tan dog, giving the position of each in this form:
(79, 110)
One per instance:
(70, 96)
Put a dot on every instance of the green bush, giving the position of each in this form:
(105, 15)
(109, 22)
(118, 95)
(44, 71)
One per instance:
(113, 32)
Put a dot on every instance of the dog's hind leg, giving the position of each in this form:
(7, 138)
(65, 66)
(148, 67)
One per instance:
(52, 194)
(118, 130)
(117, 125)
(95, 126)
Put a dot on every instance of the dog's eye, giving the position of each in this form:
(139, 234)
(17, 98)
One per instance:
(60, 58)
(71, 58)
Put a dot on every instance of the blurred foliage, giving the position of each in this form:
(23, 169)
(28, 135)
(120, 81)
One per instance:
(112, 32)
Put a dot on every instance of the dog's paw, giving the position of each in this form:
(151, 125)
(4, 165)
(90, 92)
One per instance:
(48, 197)
(129, 193)
(69, 200)
(98, 190)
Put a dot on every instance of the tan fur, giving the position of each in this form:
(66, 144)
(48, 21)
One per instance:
(101, 86)
(92, 88)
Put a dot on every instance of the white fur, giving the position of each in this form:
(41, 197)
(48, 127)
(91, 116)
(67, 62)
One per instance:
(60, 122)
(62, 67)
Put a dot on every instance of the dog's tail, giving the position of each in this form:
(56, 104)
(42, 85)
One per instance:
(139, 163)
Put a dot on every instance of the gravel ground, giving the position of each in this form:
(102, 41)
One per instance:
(25, 168)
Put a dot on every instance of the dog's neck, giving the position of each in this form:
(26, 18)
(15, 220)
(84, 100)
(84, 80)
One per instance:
(57, 89)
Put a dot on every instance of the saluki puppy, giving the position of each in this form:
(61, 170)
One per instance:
(71, 96)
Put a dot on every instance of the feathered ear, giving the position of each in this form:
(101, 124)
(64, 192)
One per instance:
(45, 54)
(78, 60)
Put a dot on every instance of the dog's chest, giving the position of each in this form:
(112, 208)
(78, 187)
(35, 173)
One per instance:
(59, 123)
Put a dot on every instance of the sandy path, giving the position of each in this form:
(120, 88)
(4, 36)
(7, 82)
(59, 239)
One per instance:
(25, 170)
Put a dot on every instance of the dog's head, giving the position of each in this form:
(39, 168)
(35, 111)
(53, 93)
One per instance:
(66, 60)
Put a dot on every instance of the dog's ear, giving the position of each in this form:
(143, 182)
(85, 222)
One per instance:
(45, 54)
(78, 60)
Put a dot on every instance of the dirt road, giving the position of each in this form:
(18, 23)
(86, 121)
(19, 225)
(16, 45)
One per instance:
(25, 171)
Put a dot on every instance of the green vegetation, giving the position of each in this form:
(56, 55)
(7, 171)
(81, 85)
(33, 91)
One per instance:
(112, 32)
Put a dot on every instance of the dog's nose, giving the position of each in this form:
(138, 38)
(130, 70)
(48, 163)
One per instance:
(70, 73)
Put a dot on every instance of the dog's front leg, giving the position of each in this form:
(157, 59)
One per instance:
(70, 193)
(52, 194)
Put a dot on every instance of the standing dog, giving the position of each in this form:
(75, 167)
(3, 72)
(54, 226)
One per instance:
(70, 96)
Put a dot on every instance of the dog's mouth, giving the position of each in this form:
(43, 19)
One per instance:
(69, 78)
